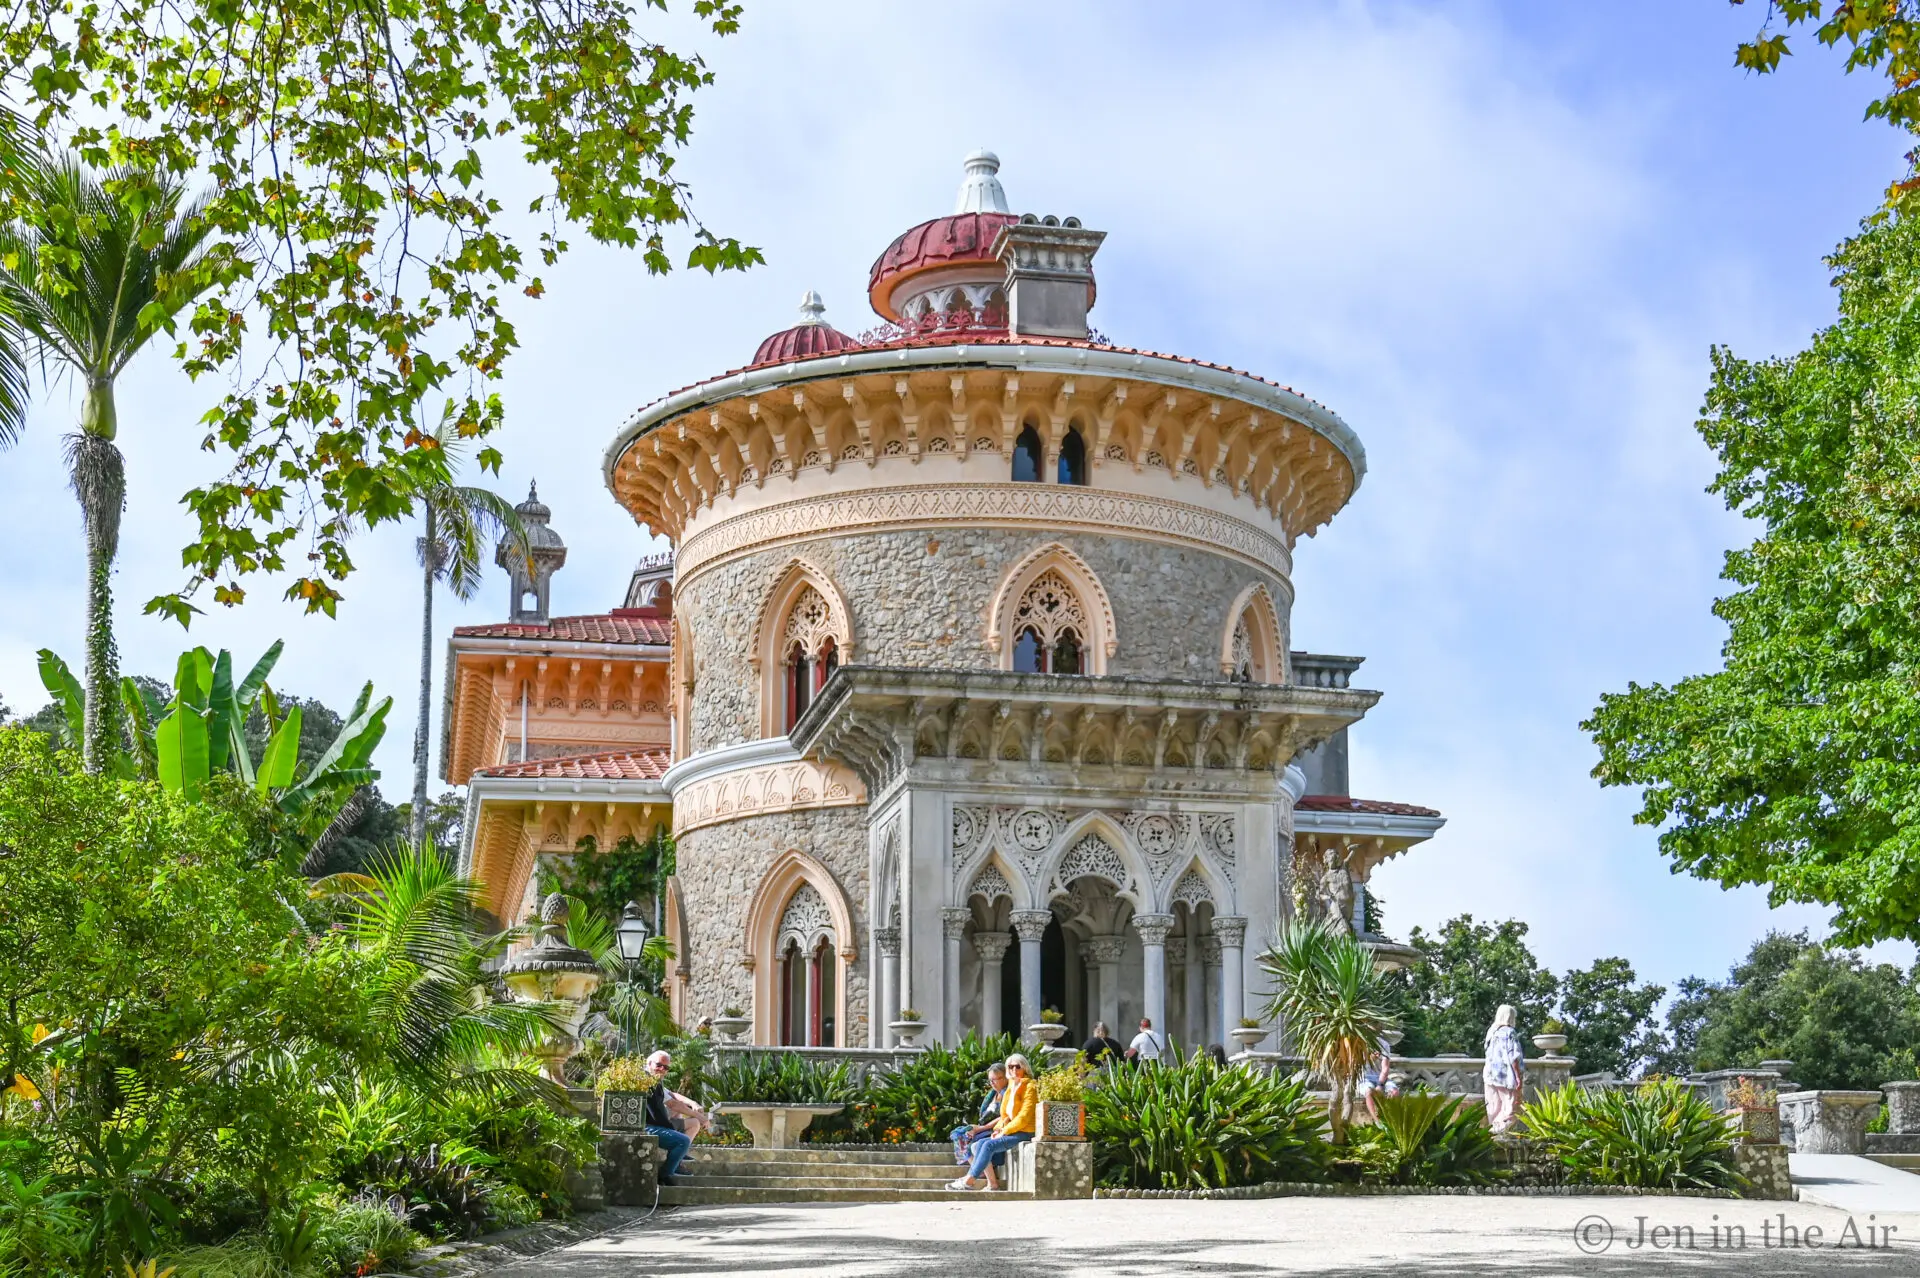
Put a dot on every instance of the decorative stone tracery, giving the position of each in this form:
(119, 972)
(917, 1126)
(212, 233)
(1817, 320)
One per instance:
(806, 922)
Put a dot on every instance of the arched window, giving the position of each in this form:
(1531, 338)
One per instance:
(1049, 627)
(808, 972)
(1252, 650)
(1242, 671)
(1073, 458)
(809, 653)
(1026, 456)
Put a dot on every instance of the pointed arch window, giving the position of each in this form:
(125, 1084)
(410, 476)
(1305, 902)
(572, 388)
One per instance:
(809, 972)
(809, 652)
(1253, 651)
(1049, 628)
(1073, 457)
(1026, 456)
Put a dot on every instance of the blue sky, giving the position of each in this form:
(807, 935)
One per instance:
(1498, 239)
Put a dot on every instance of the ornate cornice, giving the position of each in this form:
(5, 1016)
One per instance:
(778, 787)
(1050, 507)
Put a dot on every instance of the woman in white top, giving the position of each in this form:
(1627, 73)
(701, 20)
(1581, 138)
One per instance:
(1505, 1072)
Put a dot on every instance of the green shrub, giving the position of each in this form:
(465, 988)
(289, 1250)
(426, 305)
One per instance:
(1424, 1139)
(1201, 1125)
(41, 1229)
(783, 1078)
(365, 1235)
(512, 1208)
(1659, 1135)
(444, 1196)
(936, 1091)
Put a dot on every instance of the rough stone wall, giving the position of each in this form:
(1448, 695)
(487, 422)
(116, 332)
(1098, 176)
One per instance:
(720, 867)
(921, 599)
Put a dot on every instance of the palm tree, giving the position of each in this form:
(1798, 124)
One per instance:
(1332, 1002)
(460, 522)
(93, 266)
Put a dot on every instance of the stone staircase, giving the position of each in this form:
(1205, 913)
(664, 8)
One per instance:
(817, 1174)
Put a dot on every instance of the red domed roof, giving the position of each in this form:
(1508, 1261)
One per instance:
(809, 339)
(954, 240)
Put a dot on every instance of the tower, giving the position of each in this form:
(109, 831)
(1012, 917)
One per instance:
(532, 573)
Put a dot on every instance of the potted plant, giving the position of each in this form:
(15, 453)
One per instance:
(623, 1084)
(1061, 1112)
(1754, 1112)
(1248, 1032)
(1052, 1025)
(732, 1023)
(1551, 1038)
(909, 1027)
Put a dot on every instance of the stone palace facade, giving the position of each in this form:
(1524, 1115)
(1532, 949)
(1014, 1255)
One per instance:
(968, 685)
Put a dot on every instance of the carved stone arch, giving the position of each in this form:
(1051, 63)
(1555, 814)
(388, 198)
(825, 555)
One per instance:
(681, 973)
(769, 632)
(1200, 883)
(1056, 558)
(766, 912)
(1076, 854)
(1253, 636)
(988, 862)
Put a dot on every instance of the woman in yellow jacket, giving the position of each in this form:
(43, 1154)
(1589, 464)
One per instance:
(1013, 1127)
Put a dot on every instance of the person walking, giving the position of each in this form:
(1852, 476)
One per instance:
(1147, 1047)
(1102, 1047)
(1505, 1072)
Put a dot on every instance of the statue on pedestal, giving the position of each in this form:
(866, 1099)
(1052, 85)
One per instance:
(1336, 893)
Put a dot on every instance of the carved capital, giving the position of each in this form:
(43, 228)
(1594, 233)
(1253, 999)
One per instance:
(888, 939)
(1231, 930)
(1104, 949)
(1177, 950)
(1031, 925)
(1210, 951)
(1153, 928)
(954, 920)
(991, 946)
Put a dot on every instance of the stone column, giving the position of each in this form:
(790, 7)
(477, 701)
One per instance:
(992, 949)
(1153, 929)
(953, 930)
(1177, 957)
(1106, 951)
(1232, 931)
(887, 942)
(1030, 926)
(1210, 975)
(808, 1036)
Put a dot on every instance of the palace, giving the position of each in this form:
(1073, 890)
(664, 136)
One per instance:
(968, 685)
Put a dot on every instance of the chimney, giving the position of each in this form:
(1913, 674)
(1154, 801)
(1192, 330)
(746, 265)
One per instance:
(1049, 264)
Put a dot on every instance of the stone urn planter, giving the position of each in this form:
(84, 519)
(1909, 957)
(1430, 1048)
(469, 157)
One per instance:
(1550, 1044)
(1048, 1032)
(905, 1032)
(552, 972)
(731, 1028)
(1060, 1120)
(1247, 1035)
(1757, 1126)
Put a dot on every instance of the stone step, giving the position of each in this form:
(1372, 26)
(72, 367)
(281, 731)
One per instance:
(900, 1171)
(701, 1178)
(690, 1193)
(827, 1157)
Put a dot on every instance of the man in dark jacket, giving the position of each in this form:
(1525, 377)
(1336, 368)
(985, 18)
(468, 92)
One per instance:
(672, 1140)
(1102, 1048)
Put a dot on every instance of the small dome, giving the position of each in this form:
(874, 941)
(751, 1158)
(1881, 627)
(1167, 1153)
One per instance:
(534, 515)
(810, 338)
(959, 239)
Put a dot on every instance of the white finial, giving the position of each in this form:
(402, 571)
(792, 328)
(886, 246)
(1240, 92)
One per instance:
(980, 190)
(812, 309)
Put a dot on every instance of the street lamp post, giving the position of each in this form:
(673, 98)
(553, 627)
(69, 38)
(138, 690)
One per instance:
(630, 938)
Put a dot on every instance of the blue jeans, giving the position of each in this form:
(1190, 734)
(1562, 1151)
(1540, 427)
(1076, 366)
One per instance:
(992, 1149)
(675, 1143)
(963, 1143)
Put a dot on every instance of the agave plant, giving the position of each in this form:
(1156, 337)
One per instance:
(1333, 1004)
(1659, 1135)
(1202, 1125)
(1425, 1139)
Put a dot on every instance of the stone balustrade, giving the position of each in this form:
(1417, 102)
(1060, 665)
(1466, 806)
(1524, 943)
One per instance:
(861, 1062)
(1903, 1121)
(1827, 1122)
(1447, 1075)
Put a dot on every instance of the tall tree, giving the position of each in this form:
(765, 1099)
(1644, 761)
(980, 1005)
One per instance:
(1467, 971)
(1844, 1023)
(372, 167)
(1794, 766)
(461, 522)
(93, 266)
(1609, 1018)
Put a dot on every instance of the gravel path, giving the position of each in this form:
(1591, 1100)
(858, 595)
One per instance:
(1430, 1237)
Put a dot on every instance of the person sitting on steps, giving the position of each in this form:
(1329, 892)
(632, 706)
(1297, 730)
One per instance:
(674, 1142)
(1013, 1127)
(967, 1133)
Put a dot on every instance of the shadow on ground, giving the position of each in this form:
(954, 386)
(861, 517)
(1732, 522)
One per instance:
(734, 1241)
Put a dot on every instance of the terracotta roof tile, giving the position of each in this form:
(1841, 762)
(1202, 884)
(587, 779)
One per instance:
(1346, 803)
(602, 628)
(608, 765)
